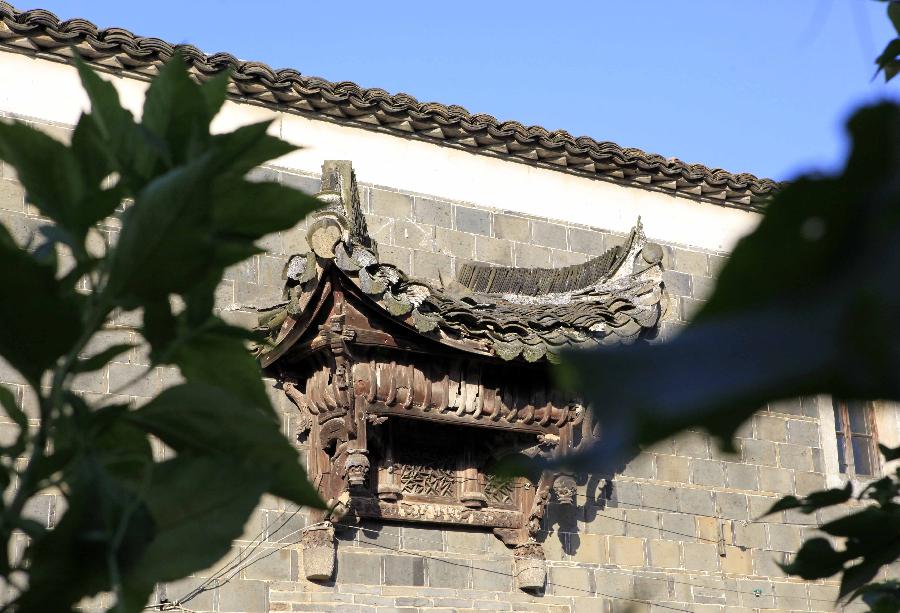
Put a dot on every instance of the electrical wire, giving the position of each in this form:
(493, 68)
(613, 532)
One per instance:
(206, 586)
(235, 561)
(243, 560)
(179, 602)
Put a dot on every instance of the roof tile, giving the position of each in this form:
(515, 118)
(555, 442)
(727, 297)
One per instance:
(347, 102)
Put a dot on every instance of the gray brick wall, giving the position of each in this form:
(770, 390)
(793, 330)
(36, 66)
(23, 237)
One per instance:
(679, 527)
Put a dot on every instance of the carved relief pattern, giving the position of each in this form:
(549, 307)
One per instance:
(427, 476)
(498, 490)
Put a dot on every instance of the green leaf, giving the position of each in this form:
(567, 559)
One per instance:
(893, 11)
(820, 219)
(95, 164)
(199, 506)
(890, 454)
(98, 508)
(81, 268)
(517, 465)
(43, 321)
(98, 361)
(165, 242)
(214, 91)
(247, 147)
(134, 596)
(45, 252)
(825, 323)
(116, 126)
(47, 170)
(178, 232)
(193, 214)
(812, 204)
(234, 369)
(205, 420)
(31, 528)
(256, 209)
(177, 112)
(638, 392)
(891, 51)
(111, 118)
(65, 184)
(891, 69)
(51, 465)
(122, 448)
(231, 251)
(91, 155)
(200, 300)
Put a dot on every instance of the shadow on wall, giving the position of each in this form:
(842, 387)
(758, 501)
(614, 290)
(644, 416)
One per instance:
(561, 521)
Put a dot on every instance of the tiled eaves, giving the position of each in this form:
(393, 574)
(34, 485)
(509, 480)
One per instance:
(400, 114)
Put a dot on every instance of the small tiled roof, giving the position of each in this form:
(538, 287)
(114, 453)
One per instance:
(344, 102)
(531, 314)
(620, 305)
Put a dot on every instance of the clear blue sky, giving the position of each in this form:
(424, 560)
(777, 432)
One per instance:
(760, 87)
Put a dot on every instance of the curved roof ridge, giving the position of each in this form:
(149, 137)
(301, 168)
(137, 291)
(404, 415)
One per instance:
(346, 102)
(511, 280)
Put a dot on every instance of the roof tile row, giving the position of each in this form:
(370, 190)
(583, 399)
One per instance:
(346, 102)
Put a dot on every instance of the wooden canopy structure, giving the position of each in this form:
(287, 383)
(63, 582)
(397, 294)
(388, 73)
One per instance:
(413, 391)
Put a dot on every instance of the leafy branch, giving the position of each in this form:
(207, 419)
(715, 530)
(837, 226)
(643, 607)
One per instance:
(807, 304)
(871, 539)
(186, 212)
(889, 60)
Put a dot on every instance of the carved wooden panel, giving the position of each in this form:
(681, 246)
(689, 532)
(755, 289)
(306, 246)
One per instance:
(427, 474)
(463, 391)
(500, 491)
(411, 393)
(398, 432)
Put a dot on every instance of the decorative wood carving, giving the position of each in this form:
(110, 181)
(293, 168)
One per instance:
(410, 394)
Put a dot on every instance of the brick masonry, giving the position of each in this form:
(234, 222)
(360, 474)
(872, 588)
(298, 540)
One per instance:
(678, 529)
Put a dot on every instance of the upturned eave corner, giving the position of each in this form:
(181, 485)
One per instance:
(412, 391)
(526, 314)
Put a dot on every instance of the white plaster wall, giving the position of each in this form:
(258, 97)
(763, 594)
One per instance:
(49, 90)
(887, 425)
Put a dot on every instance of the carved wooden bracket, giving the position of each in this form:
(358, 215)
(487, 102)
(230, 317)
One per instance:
(411, 395)
(411, 433)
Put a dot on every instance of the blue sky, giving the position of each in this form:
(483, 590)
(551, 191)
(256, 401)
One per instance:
(760, 87)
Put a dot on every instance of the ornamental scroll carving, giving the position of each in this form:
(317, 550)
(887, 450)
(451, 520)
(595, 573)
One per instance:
(410, 391)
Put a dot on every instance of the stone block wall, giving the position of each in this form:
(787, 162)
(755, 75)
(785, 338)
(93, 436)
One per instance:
(677, 529)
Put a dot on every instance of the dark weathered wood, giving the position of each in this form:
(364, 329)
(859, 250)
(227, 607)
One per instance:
(299, 324)
(357, 375)
(453, 418)
(436, 513)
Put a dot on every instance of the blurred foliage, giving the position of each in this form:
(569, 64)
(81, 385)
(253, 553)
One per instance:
(870, 537)
(807, 304)
(186, 212)
(889, 60)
